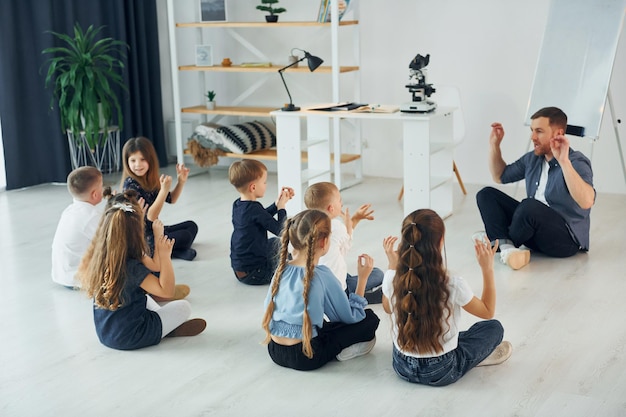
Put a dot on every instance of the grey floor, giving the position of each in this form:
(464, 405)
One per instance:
(566, 319)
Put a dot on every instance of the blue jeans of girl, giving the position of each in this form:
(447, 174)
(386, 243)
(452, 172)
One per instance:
(474, 346)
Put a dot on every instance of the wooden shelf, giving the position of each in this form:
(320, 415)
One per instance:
(262, 70)
(231, 111)
(271, 68)
(270, 155)
(260, 24)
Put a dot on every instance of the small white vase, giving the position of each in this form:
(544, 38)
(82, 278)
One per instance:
(210, 105)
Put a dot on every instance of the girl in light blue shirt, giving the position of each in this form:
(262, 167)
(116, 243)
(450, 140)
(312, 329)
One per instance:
(302, 293)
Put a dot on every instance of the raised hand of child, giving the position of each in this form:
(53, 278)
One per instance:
(158, 229)
(363, 213)
(182, 172)
(290, 192)
(285, 194)
(144, 206)
(164, 246)
(389, 244)
(485, 253)
(365, 264)
(166, 182)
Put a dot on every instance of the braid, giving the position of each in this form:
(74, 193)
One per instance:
(284, 255)
(304, 232)
(307, 332)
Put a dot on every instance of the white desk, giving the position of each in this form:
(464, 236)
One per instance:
(427, 146)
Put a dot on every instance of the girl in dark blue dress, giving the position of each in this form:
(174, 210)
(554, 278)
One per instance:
(141, 173)
(113, 273)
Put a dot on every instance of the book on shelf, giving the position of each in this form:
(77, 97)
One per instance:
(324, 15)
(256, 64)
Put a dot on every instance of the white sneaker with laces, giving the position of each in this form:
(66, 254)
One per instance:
(355, 350)
(501, 353)
(515, 258)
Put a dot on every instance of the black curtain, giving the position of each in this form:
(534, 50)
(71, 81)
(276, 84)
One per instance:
(35, 149)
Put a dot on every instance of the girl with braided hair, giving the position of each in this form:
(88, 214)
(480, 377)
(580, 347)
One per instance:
(302, 292)
(425, 306)
(114, 275)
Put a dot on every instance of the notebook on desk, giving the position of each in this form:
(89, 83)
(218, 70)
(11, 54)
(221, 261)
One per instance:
(359, 108)
(377, 108)
(340, 107)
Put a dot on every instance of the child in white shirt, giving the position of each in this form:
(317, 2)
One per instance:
(77, 225)
(325, 196)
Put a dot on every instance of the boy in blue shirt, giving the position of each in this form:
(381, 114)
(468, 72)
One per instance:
(253, 256)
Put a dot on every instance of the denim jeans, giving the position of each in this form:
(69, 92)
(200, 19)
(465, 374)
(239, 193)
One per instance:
(263, 274)
(374, 280)
(474, 346)
(529, 222)
(331, 339)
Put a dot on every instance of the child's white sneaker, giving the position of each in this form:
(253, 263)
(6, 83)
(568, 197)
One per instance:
(357, 349)
(501, 353)
(515, 258)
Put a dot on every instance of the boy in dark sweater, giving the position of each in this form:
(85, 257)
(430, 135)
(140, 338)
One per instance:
(253, 256)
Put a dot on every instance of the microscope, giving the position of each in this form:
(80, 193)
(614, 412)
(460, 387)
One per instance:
(418, 87)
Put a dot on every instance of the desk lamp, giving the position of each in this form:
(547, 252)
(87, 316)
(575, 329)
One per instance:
(313, 63)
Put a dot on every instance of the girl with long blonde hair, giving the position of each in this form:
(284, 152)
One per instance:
(425, 306)
(302, 292)
(113, 273)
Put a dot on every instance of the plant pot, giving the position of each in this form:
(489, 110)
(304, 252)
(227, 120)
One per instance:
(210, 105)
(104, 154)
(272, 18)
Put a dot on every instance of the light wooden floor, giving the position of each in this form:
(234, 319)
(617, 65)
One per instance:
(566, 320)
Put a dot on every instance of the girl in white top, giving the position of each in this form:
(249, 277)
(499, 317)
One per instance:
(425, 305)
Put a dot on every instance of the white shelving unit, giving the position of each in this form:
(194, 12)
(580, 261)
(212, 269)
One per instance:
(238, 106)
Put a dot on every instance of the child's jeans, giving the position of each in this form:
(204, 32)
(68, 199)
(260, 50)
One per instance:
(331, 339)
(263, 274)
(475, 345)
(374, 280)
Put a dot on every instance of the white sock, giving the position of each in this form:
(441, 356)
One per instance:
(506, 244)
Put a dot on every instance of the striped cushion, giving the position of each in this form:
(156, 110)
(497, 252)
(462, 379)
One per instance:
(248, 137)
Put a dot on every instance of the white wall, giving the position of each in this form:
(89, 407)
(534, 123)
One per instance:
(487, 48)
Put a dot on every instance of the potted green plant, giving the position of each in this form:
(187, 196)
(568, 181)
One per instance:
(273, 11)
(83, 72)
(210, 95)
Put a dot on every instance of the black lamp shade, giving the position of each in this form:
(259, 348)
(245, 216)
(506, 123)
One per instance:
(313, 61)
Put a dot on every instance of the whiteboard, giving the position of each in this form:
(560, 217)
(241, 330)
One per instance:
(576, 60)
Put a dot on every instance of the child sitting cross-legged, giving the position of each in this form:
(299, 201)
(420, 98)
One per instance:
(425, 303)
(325, 196)
(113, 273)
(303, 292)
(78, 224)
(253, 256)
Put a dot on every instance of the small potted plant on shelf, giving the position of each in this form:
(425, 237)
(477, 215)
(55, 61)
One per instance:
(273, 11)
(83, 72)
(210, 104)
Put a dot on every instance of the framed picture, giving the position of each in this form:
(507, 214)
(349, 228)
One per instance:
(213, 10)
(204, 56)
